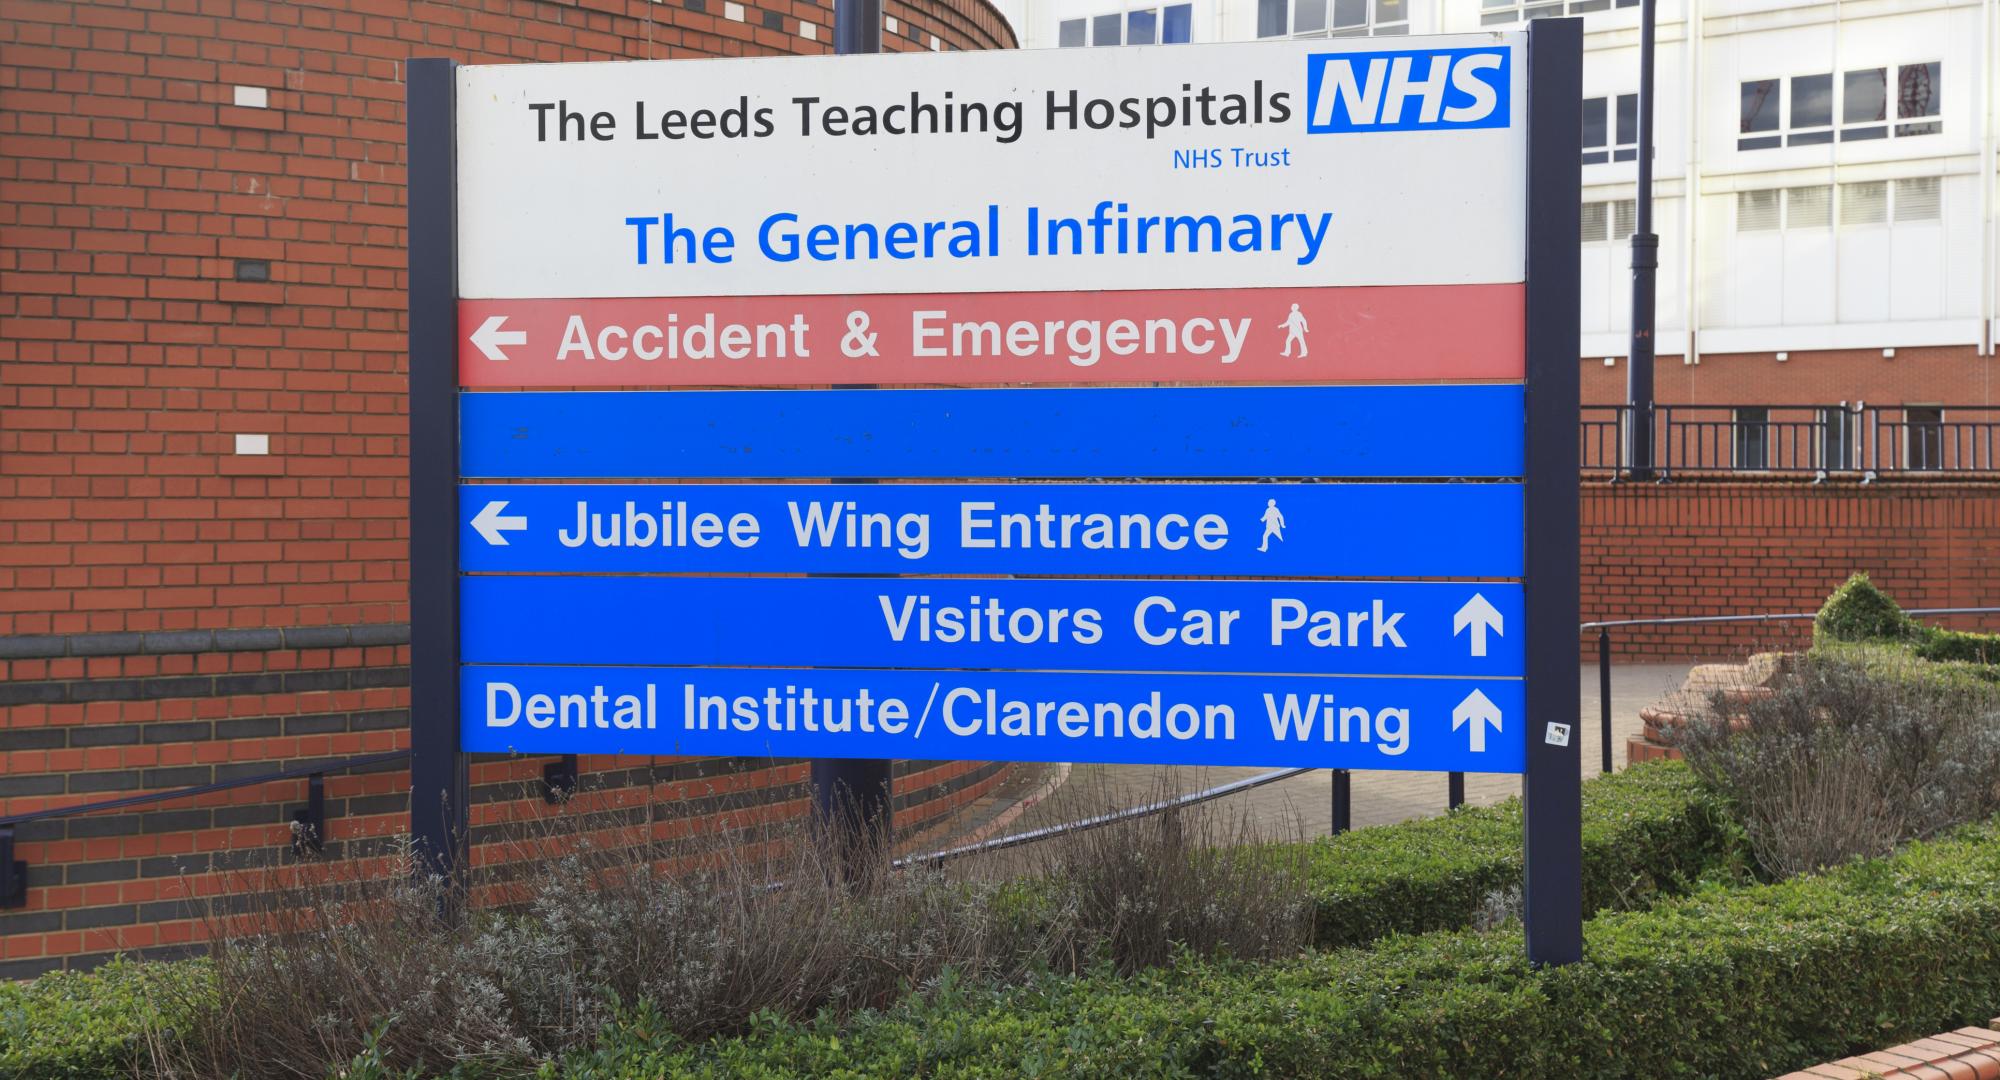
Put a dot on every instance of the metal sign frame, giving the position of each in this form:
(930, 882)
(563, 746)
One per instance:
(1551, 784)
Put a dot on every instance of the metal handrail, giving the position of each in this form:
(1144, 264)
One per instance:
(294, 773)
(1100, 820)
(308, 825)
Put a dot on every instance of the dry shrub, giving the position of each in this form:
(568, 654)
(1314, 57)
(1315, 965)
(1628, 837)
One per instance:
(578, 919)
(1207, 879)
(1851, 754)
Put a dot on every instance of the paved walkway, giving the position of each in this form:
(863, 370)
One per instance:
(1303, 805)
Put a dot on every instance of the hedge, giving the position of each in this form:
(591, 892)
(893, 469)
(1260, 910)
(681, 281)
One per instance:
(1648, 832)
(1858, 612)
(71, 1026)
(1730, 982)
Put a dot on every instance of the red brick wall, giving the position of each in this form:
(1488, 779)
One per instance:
(1928, 375)
(1700, 548)
(131, 357)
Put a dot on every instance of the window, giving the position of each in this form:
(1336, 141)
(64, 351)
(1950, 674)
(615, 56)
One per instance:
(1757, 211)
(1599, 143)
(1332, 18)
(1836, 438)
(1923, 437)
(1750, 437)
(1865, 203)
(1877, 202)
(1809, 207)
(1800, 110)
(1171, 25)
(1613, 220)
(1917, 199)
(1501, 12)
(1917, 97)
(1800, 207)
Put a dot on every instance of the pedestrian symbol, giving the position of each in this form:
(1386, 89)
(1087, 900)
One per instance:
(1295, 332)
(1274, 525)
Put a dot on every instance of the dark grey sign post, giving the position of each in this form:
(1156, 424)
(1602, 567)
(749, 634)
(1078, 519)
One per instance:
(437, 767)
(1552, 789)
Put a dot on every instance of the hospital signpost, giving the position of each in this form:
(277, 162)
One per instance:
(1298, 317)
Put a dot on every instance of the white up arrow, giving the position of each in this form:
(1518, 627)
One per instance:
(1478, 710)
(489, 337)
(491, 525)
(1481, 616)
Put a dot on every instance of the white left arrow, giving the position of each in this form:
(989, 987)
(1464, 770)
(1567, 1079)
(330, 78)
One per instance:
(1481, 616)
(491, 525)
(1478, 710)
(489, 337)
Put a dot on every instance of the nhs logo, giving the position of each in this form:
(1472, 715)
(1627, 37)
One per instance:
(1407, 90)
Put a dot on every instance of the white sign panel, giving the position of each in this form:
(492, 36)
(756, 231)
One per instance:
(1272, 164)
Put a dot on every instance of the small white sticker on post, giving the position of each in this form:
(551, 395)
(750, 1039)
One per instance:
(1558, 735)
(253, 444)
(253, 97)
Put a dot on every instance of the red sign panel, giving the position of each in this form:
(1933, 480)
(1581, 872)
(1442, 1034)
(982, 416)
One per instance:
(1417, 333)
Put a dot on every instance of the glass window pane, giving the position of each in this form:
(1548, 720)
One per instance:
(1756, 210)
(1593, 122)
(1628, 119)
(1808, 207)
(1308, 15)
(1761, 142)
(1104, 30)
(1585, 7)
(1348, 13)
(1865, 203)
(1859, 134)
(1595, 157)
(1272, 18)
(1391, 11)
(1178, 26)
(1812, 100)
(1864, 96)
(1760, 106)
(1917, 90)
(1917, 199)
(1624, 218)
(1070, 33)
(1810, 138)
(1595, 221)
(1141, 26)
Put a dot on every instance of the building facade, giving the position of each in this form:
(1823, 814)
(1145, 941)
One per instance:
(1824, 179)
(204, 529)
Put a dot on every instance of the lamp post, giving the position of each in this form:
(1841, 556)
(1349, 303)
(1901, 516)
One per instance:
(1645, 267)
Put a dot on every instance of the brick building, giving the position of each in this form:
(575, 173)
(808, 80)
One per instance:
(203, 427)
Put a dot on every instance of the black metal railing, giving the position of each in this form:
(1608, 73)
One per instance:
(308, 823)
(1823, 441)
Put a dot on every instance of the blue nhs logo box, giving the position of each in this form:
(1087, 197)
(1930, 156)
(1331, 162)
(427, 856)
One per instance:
(1408, 90)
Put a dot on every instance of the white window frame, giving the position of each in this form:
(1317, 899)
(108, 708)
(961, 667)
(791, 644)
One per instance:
(1613, 149)
(1504, 12)
(1370, 26)
(1838, 129)
(1124, 15)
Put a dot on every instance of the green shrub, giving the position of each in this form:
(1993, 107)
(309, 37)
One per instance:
(1651, 830)
(74, 1025)
(1731, 982)
(1860, 612)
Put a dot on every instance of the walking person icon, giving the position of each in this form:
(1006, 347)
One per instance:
(1274, 525)
(1295, 332)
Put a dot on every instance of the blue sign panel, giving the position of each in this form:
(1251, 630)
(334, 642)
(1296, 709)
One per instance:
(1296, 627)
(1246, 530)
(1464, 725)
(1360, 432)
